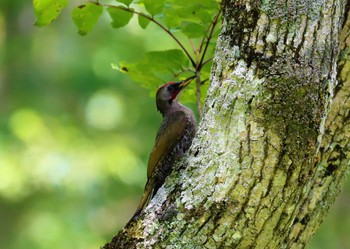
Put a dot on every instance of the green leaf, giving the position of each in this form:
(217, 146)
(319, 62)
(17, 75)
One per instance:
(47, 10)
(143, 22)
(155, 67)
(154, 6)
(120, 17)
(192, 30)
(126, 2)
(86, 16)
(196, 11)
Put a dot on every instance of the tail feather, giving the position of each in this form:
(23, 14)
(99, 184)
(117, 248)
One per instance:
(146, 197)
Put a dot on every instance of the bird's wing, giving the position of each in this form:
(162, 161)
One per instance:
(169, 133)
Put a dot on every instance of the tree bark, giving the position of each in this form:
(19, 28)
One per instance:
(272, 149)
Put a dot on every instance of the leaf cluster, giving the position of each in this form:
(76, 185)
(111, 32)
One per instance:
(191, 24)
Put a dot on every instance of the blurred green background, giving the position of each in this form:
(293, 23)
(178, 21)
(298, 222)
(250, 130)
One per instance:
(75, 134)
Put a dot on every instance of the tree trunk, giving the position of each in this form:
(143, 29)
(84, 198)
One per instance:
(272, 149)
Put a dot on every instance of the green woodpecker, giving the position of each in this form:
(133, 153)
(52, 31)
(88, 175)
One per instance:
(173, 139)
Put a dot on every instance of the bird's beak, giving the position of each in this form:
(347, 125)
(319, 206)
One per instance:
(185, 82)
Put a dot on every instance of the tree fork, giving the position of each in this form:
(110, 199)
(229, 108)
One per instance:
(272, 149)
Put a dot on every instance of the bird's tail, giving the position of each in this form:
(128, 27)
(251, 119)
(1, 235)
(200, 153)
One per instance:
(146, 197)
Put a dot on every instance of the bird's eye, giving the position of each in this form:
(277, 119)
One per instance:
(170, 88)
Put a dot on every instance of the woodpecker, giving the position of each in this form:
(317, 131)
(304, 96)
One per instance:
(173, 139)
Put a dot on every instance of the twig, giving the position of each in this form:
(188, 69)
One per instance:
(195, 51)
(203, 81)
(198, 94)
(183, 70)
(206, 61)
(201, 63)
(213, 24)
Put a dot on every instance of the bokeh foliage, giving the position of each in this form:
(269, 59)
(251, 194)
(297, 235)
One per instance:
(75, 134)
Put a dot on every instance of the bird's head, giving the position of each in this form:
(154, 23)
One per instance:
(167, 94)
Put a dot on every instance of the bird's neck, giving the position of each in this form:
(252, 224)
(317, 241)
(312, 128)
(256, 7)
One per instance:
(170, 108)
